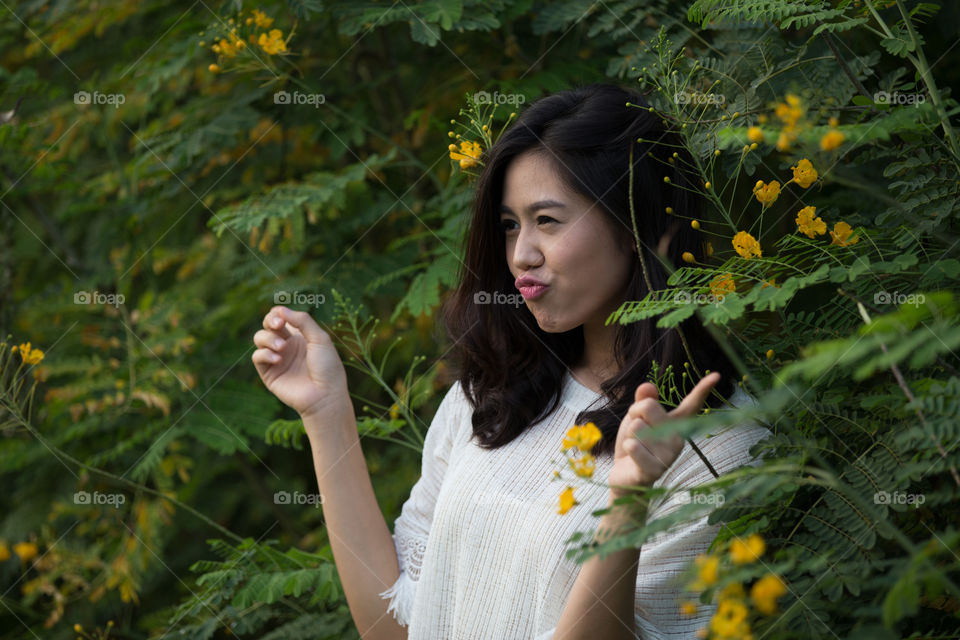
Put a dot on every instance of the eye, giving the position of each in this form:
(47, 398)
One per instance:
(503, 223)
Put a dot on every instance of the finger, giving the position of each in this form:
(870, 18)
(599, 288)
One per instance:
(304, 323)
(697, 397)
(274, 321)
(268, 340)
(265, 357)
(646, 390)
(648, 410)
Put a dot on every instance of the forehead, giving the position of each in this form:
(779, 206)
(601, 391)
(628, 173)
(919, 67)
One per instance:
(530, 177)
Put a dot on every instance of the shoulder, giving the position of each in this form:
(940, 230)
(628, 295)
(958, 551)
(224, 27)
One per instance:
(454, 411)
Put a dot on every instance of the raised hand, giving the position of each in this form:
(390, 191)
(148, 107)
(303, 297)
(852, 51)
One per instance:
(299, 364)
(643, 461)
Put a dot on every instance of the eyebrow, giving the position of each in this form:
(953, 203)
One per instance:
(536, 206)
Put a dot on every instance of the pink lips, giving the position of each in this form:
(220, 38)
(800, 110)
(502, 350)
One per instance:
(530, 288)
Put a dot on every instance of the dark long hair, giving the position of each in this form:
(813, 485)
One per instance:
(511, 370)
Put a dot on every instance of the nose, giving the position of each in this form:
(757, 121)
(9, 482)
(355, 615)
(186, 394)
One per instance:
(526, 253)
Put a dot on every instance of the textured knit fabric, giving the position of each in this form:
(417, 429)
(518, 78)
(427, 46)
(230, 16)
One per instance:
(481, 546)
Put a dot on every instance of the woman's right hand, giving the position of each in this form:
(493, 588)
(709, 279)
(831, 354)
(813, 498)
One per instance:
(298, 363)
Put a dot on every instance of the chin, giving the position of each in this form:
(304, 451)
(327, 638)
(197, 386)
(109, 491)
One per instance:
(553, 325)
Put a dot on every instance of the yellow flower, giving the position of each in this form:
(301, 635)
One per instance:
(468, 155)
(755, 134)
(772, 282)
(706, 185)
(831, 140)
(26, 550)
(790, 112)
(394, 411)
(730, 620)
(746, 245)
(744, 551)
(809, 223)
(766, 193)
(722, 285)
(566, 500)
(695, 224)
(273, 43)
(688, 608)
(27, 354)
(226, 48)
(4, 551)
(582, 437)
(261, 19)
(708, 248)
(785, 140)
(78, 628)
(214, 68)
(804, 174)
(584, 466)
(688, 257)
(707, 570)
(765, 592)
(841, 235)
(769, 354)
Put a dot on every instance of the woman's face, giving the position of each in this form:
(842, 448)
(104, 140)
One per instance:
(565, 241)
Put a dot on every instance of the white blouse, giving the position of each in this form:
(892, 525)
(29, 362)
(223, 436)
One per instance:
(481, 546)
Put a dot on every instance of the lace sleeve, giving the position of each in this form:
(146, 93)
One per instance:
(412, 528)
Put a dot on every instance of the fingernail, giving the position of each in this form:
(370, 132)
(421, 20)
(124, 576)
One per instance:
(275, 322)
(278, 343)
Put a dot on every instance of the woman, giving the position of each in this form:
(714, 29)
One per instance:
(479, 548)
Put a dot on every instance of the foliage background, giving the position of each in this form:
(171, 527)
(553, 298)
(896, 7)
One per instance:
(200, 197)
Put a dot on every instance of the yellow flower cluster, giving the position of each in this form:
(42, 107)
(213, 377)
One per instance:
(746, 245)
(28, 355)
(229, 47)
(272, 43)
(809, 223)
(812, 225)
(803, 173)
(26, 551)
(467, 154)
(722, 285)
(582, 439)
(767, 194)
(791, 115)
(732, 617)
(832, 138)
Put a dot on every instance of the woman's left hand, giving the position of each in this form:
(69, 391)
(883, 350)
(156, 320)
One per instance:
(642, 462)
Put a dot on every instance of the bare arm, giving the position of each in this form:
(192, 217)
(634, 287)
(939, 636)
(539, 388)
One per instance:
(298, 363)
(601, 603)
(363, 549)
